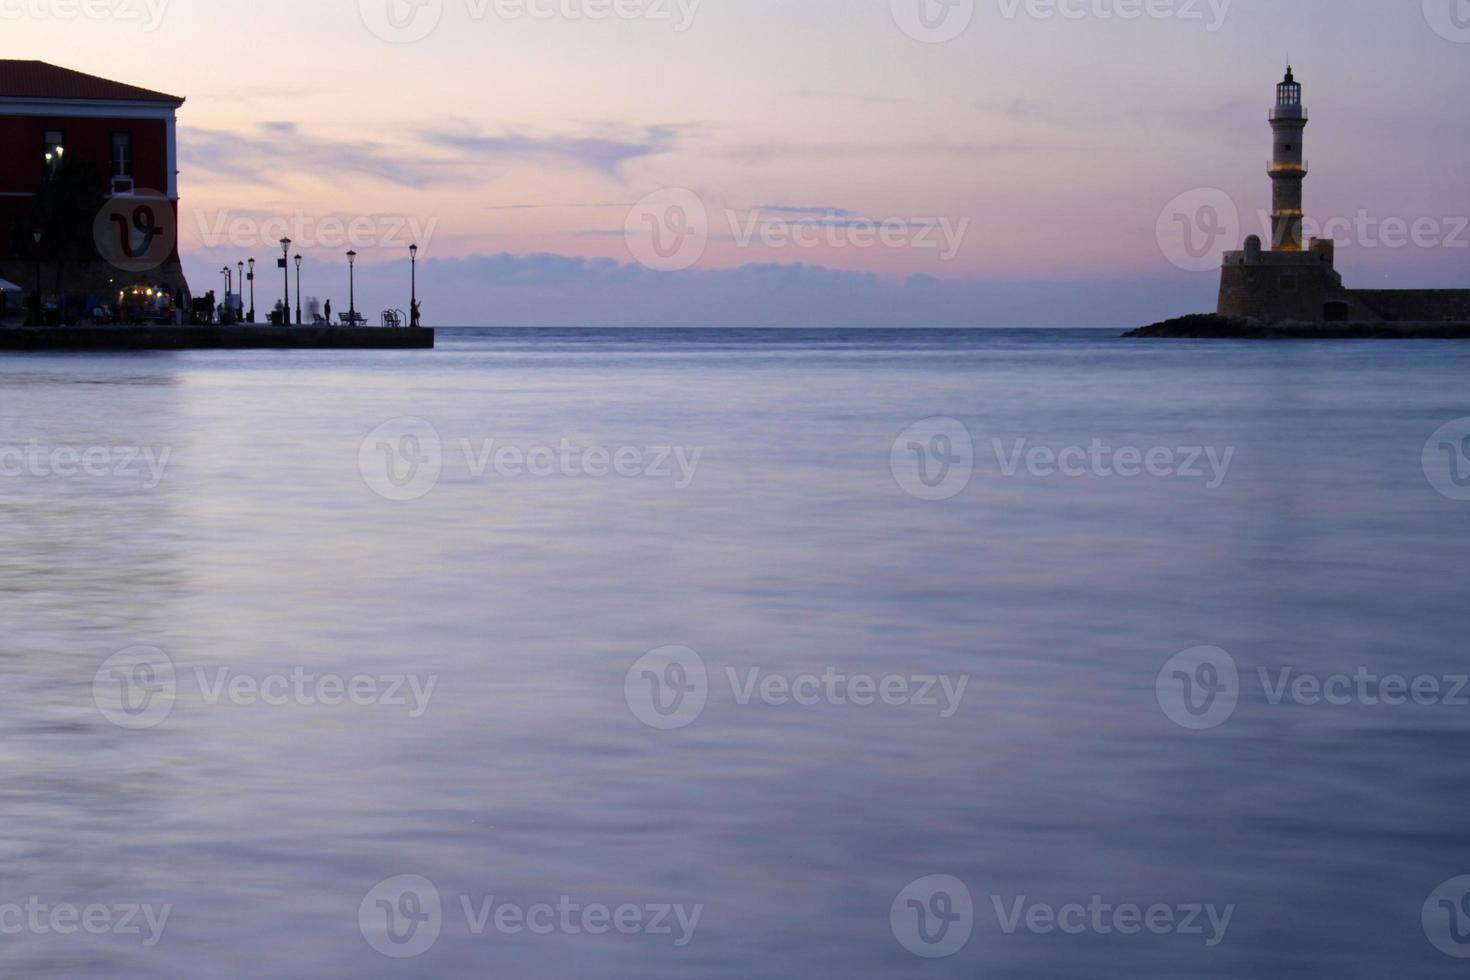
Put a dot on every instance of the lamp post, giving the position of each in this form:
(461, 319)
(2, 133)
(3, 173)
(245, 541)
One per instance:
(225, 307)
(36, 237)
(413, 287)
(298, 289)
(286, 277)
(352, 287)
(241, 281)
(252, 290)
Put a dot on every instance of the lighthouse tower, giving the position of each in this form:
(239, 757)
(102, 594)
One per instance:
(1292, 279)
(1288, 166)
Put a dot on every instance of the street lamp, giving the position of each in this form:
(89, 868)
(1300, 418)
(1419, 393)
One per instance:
(229, 283)
(36, 237)
(252, 290)
(298, 289)
(413, 294)
(286, 277)
(352, 288)
(241, 281)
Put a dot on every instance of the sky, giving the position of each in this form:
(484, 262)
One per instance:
(800, 163)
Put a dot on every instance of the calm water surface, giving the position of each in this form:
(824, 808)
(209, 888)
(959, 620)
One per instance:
(266, 552)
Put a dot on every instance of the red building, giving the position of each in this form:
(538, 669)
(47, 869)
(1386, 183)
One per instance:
(87, 162)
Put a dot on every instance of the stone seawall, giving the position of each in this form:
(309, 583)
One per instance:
(1417, 304)
(244, 337)
(1209, 326)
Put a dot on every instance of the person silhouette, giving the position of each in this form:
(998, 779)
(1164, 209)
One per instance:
(328, 311)
(413, 314)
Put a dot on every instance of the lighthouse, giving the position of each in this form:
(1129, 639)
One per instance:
(1297, 282)
(1292, 279)
(1288, 165)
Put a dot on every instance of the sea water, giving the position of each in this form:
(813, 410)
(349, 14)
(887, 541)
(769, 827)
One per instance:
(733, 654)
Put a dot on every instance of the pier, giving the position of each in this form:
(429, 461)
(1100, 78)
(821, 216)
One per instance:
(213, 337)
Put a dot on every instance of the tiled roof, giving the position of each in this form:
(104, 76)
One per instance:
(38, 80)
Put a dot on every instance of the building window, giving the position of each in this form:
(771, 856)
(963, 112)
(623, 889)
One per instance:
(54, 147)
(1288, 284)
(122, 154)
